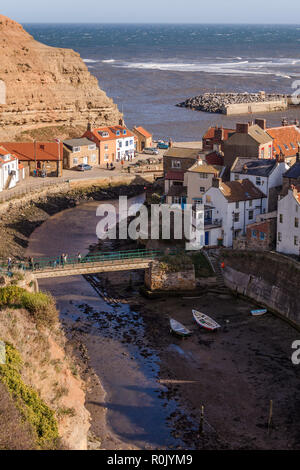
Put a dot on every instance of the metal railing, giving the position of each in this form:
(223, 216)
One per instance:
(59, 262)
(22, 190)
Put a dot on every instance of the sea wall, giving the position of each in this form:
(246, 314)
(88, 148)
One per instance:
(261, 107)
(270, 279)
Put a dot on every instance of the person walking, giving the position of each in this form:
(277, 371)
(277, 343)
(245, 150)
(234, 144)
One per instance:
(65, 258)
(79, 257)
(62, 259)
(107, 165)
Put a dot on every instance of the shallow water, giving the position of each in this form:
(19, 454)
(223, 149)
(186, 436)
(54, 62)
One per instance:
(114, 336)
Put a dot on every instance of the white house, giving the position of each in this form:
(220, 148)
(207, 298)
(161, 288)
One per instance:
(125, 145)
(9, 170)
(228, 208)
(288, 226)
(265, 174)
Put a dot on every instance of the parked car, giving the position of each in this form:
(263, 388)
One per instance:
(162, 145)
(150, 151)
(83, 167)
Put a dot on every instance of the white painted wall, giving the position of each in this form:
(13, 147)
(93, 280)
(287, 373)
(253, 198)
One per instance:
(5, 169)
(125, 147)
(288, 211)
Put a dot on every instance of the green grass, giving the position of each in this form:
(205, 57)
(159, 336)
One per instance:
(40, 305)
(32, 408)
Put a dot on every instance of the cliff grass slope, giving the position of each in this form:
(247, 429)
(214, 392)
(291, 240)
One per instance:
(47, 87)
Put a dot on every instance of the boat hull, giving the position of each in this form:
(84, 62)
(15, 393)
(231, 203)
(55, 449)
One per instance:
(204, 321)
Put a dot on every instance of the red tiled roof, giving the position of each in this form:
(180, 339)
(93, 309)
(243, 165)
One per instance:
(27, 151)
(210, 133)
(111, 130)
(214, 158)
(285, 136)
(175, 175)
(3, 152)
(143, 131)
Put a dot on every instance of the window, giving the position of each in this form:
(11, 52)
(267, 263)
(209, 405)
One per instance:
(236, 177)
(279, 236)
(176, 200)
(286, 146)
(280, 218)
(131, 141)
(253, 233)
(202, 189)
(208, 198)
(237, 205)
(93, 158)
(120, 144)
(250, 203)
(126, 143)
(204, 176)
(75, 161)
(106, 147)
(261, 235)
(236, 216)
(295, 240)
(296, 222)
(176, 164)
(76, 149)
(251, 215)
(124, 132)
(118, 133)
(92, 147)
(258, 181)
(293, 146)
(106, 157)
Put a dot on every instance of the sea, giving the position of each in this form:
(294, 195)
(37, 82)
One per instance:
(148, 68)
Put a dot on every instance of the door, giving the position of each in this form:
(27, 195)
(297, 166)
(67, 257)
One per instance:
(206, 238)
(85, 160)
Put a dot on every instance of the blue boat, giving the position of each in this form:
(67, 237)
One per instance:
(258, 312)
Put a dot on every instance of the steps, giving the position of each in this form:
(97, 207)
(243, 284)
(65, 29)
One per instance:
(213, 256)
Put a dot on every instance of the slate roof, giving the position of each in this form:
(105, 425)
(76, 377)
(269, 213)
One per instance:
(182, 152)
(81, 142)
(177, 190)
(293, 172)
(256, 167)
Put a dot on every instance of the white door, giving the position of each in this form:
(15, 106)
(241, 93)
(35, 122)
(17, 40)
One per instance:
(85, 160)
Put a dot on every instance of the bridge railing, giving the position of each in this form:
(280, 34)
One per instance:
(59, 262)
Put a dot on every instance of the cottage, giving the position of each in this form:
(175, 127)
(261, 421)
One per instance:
(249, 141)
(179, 159)
(265, 174)
(286, 140)
(228, 208)
(261, 235)
(79, 151)
(198, 179)
(214, 138)
(143, 138)
(9, 170)
(38, 157)
(115, 143)
(292, 176)
(288, 222)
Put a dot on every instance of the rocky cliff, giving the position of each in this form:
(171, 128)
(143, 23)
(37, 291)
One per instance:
(47, 87)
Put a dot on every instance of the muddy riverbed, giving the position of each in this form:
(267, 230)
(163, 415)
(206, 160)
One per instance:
(149, 386)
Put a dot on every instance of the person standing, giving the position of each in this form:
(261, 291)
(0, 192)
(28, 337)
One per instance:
(9, 263)
(79, 257)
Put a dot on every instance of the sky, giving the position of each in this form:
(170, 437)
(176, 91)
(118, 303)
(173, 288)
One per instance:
(154, 11)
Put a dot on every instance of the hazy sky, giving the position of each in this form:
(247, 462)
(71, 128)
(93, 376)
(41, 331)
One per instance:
(153, 11)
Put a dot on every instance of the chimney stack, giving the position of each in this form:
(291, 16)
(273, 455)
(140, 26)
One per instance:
(242, 128)
(89, 126)
(216, 182)
(261, 123)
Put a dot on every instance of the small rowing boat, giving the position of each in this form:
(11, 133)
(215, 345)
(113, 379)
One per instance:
(205, 321)
(178, 328)
(258, 312)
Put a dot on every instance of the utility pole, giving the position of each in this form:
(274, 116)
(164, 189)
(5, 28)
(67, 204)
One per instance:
(58, 143)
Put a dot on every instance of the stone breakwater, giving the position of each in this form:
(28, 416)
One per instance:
(222, 102)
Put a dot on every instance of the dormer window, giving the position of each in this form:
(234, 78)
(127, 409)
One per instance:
(124, 132)
(118, 133)
(76, 149)
(103, 133)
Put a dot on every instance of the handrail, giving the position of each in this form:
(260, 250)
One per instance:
(54, 262)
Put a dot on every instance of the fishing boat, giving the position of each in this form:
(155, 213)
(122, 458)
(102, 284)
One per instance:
(258, 312)
(205, 321)
(178, 328)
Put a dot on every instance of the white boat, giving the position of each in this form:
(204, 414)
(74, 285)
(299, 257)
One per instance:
(205, 321)
(258, 312)
(178, 328)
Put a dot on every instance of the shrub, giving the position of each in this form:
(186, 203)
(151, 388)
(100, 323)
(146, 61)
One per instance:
(33, 409)
(39, 304)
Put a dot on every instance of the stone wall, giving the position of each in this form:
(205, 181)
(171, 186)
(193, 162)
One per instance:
(269, 279)
(158, 279)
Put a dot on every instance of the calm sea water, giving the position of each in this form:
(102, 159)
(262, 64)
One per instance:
(147, 69)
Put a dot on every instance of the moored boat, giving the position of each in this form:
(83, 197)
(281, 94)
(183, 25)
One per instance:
(258, 312)
(205, 321)
(178, 328)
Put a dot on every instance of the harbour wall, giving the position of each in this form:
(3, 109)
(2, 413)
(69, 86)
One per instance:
(270, 279)
(259, 107)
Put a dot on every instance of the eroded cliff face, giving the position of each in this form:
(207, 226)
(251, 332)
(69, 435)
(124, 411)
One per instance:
(47, 86)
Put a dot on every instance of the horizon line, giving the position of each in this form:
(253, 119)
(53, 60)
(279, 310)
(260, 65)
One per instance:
(159, 23)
